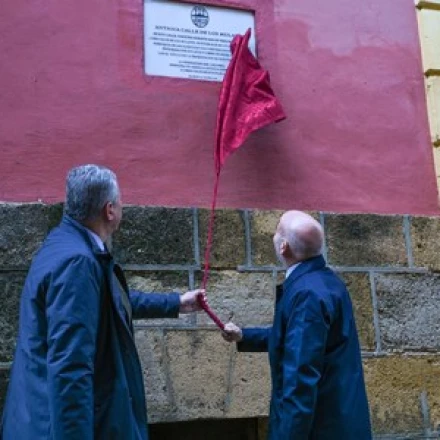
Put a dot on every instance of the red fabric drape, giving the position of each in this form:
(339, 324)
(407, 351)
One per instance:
(246, 101)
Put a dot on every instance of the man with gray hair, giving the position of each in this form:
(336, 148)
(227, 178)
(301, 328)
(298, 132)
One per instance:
(76, 373)
(318, 390)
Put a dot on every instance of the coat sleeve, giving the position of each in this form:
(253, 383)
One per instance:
(304, 349)
(254, 340)
(154, 305)
(72, 313)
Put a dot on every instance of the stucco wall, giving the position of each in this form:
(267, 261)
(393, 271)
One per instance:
(348, 74)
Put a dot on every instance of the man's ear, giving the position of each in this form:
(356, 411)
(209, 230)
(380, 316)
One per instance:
(285, 250)
(109, 211)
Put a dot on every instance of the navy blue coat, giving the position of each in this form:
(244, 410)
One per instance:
(76, 374)
(318, 390)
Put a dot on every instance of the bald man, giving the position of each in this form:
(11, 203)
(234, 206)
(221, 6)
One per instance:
(318, 390)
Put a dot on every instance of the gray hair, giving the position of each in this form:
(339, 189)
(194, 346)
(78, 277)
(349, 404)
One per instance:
(88, 189)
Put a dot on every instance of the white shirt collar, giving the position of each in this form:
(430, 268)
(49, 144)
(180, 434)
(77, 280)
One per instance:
(98, 240)
(291, 269)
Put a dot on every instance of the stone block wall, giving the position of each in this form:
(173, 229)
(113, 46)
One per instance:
(390, 264)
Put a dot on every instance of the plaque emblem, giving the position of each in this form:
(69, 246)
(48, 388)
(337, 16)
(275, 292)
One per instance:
(199, 16)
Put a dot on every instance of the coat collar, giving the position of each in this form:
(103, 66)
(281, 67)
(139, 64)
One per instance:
(306, 266)
(69, 223)
(310, 265)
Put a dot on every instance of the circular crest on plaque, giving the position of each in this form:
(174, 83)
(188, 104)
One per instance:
(199, 16)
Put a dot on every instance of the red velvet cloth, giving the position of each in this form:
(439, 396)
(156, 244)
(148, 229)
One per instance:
(246, 101)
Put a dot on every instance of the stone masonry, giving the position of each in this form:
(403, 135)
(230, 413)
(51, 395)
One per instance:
(390, 264)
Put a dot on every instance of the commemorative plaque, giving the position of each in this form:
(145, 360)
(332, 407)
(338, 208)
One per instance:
(192, 41)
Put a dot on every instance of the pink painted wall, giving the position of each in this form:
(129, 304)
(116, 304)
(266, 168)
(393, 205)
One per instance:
(72, 90)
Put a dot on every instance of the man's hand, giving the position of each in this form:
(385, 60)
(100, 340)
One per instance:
(189, 302)
(232, 333)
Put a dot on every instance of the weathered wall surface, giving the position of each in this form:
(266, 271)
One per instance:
(349, 75)
(390, 264)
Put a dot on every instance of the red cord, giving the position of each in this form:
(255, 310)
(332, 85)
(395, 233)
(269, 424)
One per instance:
(210, 232)
(203, 304)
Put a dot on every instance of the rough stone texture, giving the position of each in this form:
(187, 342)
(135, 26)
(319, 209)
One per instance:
(228, 246)
(250, 296)
(190, 378)
(250, 387)
(155, 236)
(425, 246)
(263, 226)
(22, 230)
(199, 364)
(358, 285)
(150, 344)
(431, 378)
(161, 282)
(395, 385)
(193, 374)
(4, 380)
(11, 285)
(365, 240)
(409, 312)
(54, 215)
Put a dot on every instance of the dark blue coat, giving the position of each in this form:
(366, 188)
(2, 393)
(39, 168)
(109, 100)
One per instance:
(318, 390)
(76, 374)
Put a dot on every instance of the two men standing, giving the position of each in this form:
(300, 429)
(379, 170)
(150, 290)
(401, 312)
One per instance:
(76, 372)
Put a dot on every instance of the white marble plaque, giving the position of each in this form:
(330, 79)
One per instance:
(188, 40)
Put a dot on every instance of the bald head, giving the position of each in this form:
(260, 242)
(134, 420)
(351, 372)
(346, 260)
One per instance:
(298, 237)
